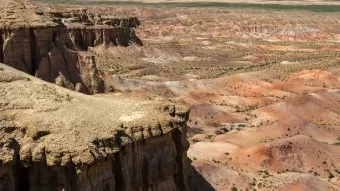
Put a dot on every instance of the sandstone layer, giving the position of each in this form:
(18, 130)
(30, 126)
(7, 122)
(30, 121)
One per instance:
(53, 45)
(57, 139)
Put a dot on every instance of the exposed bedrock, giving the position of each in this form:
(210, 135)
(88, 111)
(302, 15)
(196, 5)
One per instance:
(90, 37)
(53, 138)
(53, 46)
(53, 54)
(153, 164)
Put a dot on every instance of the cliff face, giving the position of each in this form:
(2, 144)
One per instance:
(154, 164)
(55, 49)
(56, 139)
(52, 54)
(52, 138)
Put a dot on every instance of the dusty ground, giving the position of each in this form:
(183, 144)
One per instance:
(283, 2)
(263, 86)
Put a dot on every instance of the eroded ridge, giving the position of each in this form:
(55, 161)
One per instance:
(53, 139)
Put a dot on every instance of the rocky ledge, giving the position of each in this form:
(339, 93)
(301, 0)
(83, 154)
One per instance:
(53, 45)
(53, 138)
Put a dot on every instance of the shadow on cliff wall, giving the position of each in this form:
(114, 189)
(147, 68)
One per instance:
(198, 183)
(1, 48)
(137, 40)
(126, 41)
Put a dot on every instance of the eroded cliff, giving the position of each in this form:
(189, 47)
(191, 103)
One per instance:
(56, 139)
(53, 46)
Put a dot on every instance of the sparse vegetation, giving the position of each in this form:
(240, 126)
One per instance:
(313, 8)
(330, 175)
(184, 44)
(337, 143)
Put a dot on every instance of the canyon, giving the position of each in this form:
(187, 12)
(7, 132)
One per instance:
(262, 84)
(86, 104)
(53, 45)
(56, 139)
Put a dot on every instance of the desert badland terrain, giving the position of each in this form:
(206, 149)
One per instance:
(261, 79)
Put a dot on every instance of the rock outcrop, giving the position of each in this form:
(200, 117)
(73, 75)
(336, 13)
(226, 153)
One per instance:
(48, 46)
(56, 139)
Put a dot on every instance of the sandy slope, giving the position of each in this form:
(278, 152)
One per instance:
(293, 134)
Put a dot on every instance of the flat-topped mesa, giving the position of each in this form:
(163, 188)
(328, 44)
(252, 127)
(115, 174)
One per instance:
(84, 17)
(51, 47)
(88, 29)
(56, 139)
